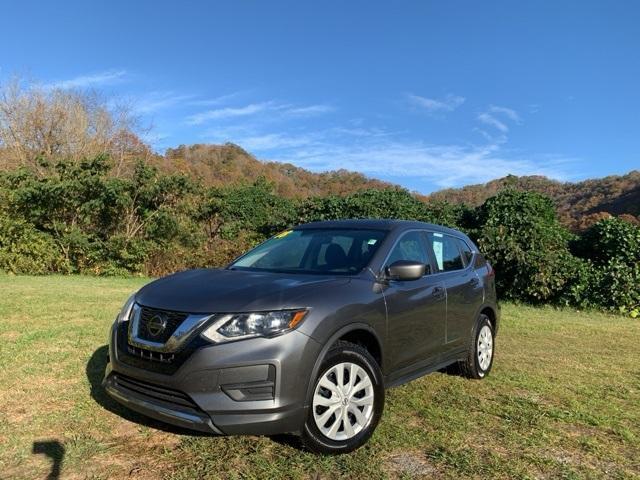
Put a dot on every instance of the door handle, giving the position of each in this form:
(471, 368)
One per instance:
(473, 281)
(437, 292)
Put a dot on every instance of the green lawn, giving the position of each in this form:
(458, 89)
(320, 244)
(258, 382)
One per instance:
(563, 401)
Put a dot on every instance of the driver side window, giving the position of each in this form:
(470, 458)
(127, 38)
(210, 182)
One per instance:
(410, 247)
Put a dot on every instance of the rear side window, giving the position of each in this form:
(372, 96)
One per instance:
(467, 254)
(480, 261)
(409, 247)
(446, 252)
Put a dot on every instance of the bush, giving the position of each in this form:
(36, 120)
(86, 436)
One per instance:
(98, 223)
(23, 249)
(521, 236)
(610, 239)
(612, 249)
(385, 203)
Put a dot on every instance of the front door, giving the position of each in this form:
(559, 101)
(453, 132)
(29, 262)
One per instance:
(416, 309)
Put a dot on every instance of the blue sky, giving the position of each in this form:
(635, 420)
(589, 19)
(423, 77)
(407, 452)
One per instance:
(423, 93)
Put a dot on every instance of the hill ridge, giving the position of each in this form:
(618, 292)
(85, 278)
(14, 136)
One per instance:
(579, 203)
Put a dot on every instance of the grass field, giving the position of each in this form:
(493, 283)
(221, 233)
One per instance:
(563, 401)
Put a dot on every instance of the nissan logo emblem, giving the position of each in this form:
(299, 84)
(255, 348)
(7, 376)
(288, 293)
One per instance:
(156, 324)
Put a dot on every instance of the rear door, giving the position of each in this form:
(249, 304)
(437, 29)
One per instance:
(416, 309)
(453, 258)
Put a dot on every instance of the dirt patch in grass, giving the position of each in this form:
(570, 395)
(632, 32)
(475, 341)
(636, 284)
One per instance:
(412, 464)
(10, 336)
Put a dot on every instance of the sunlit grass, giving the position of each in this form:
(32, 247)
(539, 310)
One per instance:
(563, 401)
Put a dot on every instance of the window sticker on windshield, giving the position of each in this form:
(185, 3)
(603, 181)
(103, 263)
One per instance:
(372, 241)
(439, 235)
(284, 234)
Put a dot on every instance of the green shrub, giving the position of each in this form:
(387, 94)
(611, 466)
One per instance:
(612, 249)
(385, 203)
(521, 236)
(23, 249)
(610, 239)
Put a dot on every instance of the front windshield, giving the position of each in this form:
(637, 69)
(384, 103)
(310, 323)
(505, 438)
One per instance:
(326, 251)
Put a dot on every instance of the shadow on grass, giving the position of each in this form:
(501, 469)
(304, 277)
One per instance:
(95, 373)
(54, 450)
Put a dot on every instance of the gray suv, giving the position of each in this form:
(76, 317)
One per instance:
(303, 333)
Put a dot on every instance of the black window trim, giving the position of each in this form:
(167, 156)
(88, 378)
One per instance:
(464, 259)
(432, 261)
(466, 266)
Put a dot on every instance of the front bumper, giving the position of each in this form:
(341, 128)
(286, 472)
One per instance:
(119, 388)
(255, 386)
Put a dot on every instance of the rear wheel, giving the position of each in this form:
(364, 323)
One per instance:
(347, 400)
(479, 359)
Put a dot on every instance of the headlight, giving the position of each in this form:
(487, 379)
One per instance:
(125, 313)
(247, 325)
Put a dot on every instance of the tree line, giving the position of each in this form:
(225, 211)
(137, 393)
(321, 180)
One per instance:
(77, 216)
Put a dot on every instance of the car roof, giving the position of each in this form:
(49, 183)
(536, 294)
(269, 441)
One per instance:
(379, 224)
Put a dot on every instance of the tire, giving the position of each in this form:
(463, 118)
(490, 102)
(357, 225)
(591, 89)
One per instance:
(480, 356)
(325, 430)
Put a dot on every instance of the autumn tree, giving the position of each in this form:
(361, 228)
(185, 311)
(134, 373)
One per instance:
(39, 124)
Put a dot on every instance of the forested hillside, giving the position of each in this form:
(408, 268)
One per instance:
(579, 204)
(218, 165)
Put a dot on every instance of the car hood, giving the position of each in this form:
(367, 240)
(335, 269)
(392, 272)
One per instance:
(223, 291)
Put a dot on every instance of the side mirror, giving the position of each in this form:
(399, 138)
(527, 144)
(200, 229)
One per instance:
(405, 270)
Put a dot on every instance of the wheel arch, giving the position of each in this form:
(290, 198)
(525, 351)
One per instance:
(360, 333)
(490, 311)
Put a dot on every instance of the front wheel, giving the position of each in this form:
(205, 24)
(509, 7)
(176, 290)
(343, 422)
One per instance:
(479, 359)
(346, 402)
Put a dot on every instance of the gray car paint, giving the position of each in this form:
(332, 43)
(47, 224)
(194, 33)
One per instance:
(417, 330)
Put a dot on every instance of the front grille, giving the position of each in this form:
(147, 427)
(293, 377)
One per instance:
(154, 392)
(151, 355)
(150, 318)
(165, 363)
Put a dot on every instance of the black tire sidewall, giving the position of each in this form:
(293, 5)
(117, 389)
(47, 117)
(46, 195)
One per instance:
(314, 439)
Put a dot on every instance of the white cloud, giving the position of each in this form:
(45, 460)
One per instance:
(155, 101)
(507, 112)
(492, 138)
(275, 141)
(447, 104)
(443, 165)
(252, 137)
(492, 121)
(214, 102)
(311, 110)
(379, 153)
(108, 77)
(228, 112)
(277, 111)
(498, 118)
